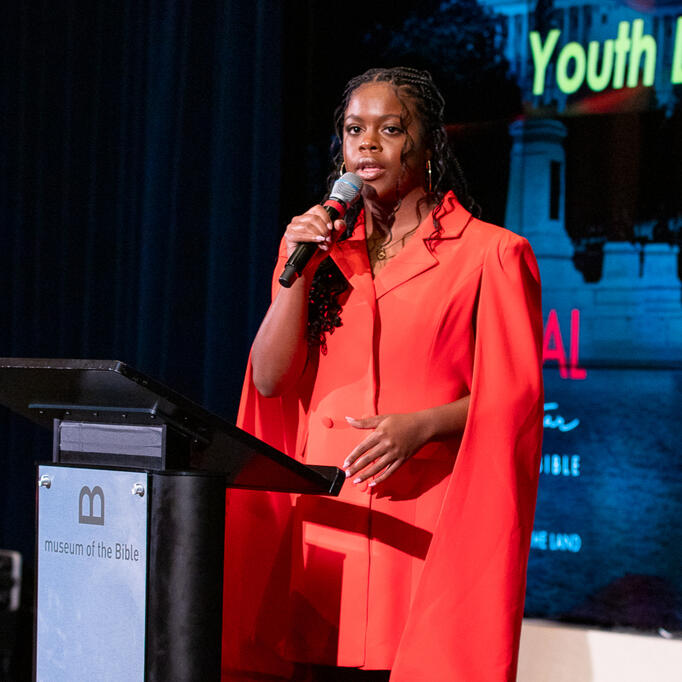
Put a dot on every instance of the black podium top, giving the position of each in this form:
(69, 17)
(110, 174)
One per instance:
(111, 392)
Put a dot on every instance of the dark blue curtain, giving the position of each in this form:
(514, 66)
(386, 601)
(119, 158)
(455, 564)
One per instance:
(139, 207)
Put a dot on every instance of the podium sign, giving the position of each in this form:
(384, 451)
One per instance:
(92, 561)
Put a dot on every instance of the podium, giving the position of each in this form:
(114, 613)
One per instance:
(130, 519)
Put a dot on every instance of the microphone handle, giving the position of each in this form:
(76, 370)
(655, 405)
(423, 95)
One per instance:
(304, 252)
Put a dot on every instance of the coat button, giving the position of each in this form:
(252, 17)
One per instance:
(328, 422)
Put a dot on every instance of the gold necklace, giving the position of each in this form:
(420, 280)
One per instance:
(380, 251)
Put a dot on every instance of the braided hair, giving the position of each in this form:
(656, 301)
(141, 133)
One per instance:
(324, 309)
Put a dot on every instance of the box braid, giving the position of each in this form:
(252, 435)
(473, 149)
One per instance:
(324, 309)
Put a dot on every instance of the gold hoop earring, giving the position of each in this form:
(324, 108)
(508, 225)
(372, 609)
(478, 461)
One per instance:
(342, 169)
(428, 173)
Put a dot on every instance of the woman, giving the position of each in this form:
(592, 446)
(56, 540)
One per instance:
(409, 354)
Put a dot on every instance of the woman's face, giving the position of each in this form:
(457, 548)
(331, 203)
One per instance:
(389, 157)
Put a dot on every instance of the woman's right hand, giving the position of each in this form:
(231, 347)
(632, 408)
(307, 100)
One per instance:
(315, 226)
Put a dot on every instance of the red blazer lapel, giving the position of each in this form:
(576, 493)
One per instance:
(419, 254)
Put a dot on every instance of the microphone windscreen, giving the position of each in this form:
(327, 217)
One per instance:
(346, 189)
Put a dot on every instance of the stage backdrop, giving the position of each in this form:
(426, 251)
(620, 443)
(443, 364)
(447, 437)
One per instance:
(595, 171)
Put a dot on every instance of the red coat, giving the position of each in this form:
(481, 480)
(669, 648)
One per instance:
(426, 576)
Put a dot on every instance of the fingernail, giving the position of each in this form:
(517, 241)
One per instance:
(357, 480)
(320, 238)
(350, 419)
(372, 484)
(345, 465)
(347, 473)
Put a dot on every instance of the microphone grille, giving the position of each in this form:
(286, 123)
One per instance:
(346, 188)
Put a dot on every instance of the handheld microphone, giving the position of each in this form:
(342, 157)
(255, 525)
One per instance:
(344, 192)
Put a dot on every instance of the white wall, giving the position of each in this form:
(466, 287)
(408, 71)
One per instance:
(560, 653)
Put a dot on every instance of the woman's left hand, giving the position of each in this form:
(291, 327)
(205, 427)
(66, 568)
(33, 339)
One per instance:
(394, 439)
